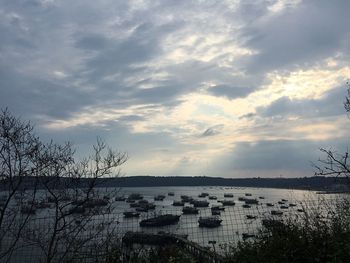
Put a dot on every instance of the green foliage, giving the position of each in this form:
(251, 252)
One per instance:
(315, 237)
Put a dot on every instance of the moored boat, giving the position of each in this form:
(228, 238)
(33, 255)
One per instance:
(198, 203)
(212, 221)
(159, 198)
(162, 220)
(251, 201)
(250, 217)
(276, 213)
(219, 208)
(129, 214)
(178, 203)
(215, 212)
(228, 202)
(189, 210)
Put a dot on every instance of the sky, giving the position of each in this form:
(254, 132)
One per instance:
(217, 88)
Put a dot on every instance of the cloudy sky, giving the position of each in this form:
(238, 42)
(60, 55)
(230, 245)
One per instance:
(221, 88)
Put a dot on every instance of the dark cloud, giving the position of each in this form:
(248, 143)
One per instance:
(92, 42)
(269, 158)
(31, 96)
(128, 118)
(248, 115)
(212, 131)
(229, 91)
(330, 104)
(298, 37)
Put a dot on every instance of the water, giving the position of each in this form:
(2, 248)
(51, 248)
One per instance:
(234, 222)
(234, 218)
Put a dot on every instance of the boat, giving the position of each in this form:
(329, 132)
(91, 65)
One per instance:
(284, 207)
(186, 198)
(292, 204)
(218, 208)
(198, 203)
(281, 202)
(228, 195)
(162, 220)
(178, 203)
(212, 197)
(189, 210)
(269, 204)
(228, 202)
(171, 194)
(241, 198)
(148, 206)
(276, 213)
(246, 206)
(251, 201)
(120, 198)
(261, 197)
(129, 214)
(215, 212)
(159, 198)
(142, 201)
(248, 194)
(284, 200)
(300, 210)
(202, 195)
(212, 221)
(141, 209)
(250, 217)
(135, 196)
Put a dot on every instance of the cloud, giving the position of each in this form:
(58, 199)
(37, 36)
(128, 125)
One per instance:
(298, 37)
(212, 131)
(229, 91)
(330, 104)
(269, 159)
(155, 77)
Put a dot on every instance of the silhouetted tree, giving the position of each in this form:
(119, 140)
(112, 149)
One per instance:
(46, 176)
(336, 164)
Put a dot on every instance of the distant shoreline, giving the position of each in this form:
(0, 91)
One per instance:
(315, 183)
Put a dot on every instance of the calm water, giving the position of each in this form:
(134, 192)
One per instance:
(234, 218)
(234, 222)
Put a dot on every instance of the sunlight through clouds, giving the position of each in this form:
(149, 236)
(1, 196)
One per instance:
(197, 84)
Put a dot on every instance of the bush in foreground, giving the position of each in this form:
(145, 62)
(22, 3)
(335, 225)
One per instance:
(317, 236)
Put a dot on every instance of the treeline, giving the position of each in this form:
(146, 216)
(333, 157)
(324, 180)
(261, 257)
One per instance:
(314, 183)
(308, 183)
